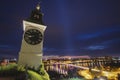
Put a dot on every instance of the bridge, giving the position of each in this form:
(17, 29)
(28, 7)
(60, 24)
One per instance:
(63, 66)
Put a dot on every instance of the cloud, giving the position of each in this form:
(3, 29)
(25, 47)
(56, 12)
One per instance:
(87, 36)
(98, 33)
(50, 49)
(109, 42)
(96, 47)
(4, 46)
(8, 48)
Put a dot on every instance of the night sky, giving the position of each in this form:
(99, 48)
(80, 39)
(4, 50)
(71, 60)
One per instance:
(74, 27)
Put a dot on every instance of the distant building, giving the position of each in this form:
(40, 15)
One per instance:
(4, 62)
(65, 57)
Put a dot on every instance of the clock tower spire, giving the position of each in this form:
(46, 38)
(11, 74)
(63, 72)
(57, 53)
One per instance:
(36, 15)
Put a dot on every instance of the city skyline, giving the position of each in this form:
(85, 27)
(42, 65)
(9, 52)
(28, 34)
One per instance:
(73, 27)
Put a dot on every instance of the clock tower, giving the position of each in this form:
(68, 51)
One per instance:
(31, 51)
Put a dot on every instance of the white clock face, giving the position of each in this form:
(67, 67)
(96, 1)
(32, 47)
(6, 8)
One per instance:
(33, 36)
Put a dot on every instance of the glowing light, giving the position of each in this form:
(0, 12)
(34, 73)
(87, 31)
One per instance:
(86, 74)
(101, 79)
(64, 18)
(111, 75)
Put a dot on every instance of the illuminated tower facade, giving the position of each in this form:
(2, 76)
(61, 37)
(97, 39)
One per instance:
(31, 51)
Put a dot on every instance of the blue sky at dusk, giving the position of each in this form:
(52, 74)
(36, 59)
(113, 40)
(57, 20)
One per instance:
(74, 27)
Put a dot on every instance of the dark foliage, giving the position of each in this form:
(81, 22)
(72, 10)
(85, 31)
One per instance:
(17, 75)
